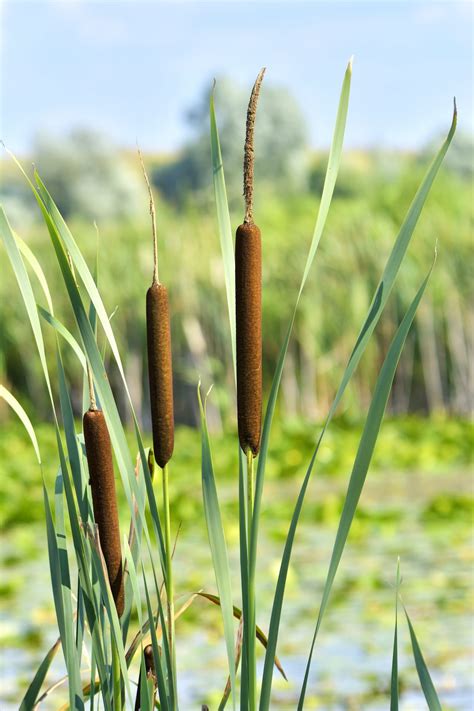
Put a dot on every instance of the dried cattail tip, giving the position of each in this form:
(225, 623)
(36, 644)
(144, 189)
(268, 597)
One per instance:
(248, 302)
(101, 473)
(160, 372)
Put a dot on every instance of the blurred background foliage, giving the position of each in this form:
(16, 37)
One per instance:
(93, 180)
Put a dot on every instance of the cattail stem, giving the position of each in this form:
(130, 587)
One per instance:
(250, 488)
(250, 625)
(90, 381)
(249, 150)
(117, 678)
(169, 572)
(156, 279)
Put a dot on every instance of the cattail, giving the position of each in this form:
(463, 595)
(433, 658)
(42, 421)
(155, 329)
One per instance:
(160, 371)
(102, 482)
(248, 301)
(248, 291)
(150, 672)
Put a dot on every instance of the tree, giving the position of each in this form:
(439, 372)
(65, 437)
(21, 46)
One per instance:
(280, 138)
(87, 175)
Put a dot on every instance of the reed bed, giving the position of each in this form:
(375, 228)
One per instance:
(110, 570)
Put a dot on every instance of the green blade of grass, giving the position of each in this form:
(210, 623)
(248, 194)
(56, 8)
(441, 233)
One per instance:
(35, 265)
(108, 600)
(332, 170)
(25, 420)
(34, 687)
(394, 674)
(67, 335)
(59, 231)
(217, 542)
(363, 459)
(21, 275)
(223, 221)
(162, 690)
(378, 303)
(423, 674)
(26, 290)
(64, 236)
(29, 699)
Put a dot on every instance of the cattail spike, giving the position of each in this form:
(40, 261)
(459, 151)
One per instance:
(160, 372)
(102, 482)
(248, 293)
(249, 149)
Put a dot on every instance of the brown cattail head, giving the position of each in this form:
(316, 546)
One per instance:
(160, 372)
(248, 303)
(101, 473)
(149, 661)
(150, 672)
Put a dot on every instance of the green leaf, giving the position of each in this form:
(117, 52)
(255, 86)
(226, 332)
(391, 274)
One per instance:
(363, 458)
(217, 542)
(35, 265)
(162, 690)
(68, 337)
(223, 220)
(16, 407)
(423, 674)
(394, 674)
(326, 197)
(34, 688)
(374, 313)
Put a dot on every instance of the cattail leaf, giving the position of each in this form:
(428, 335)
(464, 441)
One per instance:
(423, 674)
(363, 458)
(168, 662)
(378, 303)
(35, 265)
(67, 335)
(394, 674)
(132, 574)
(224, 224)
(64, 236)
(332, 171)
(75, 461)
(217, 542)
(26, 290)
(162, 687)
(29, 699)
(58, 230)
(21, 275)
(16, 407)
(109, 602)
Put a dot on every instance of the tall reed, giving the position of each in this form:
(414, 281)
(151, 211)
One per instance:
(248, 312)
(248, 300)
(160, 375)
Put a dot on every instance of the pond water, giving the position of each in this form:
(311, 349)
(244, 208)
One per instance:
(424, 519)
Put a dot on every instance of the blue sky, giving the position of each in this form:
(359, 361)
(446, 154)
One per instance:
(131, 69)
